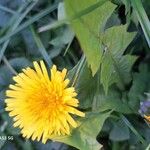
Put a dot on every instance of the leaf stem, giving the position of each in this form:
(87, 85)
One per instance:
(9, 66)
(81, 64)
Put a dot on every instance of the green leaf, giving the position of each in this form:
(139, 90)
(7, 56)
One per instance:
(91, 94)
(115, 104)
(88, 27)
(84, 82)
(115, 67)
(127, 5)
(27, 145)
(114, 100)
(119, 132)
(138, 135)
(84, 137)
(64, 37)
(80, 14)
(140, 85)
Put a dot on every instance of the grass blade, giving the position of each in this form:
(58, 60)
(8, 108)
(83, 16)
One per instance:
(29, 22)
(143, 18)
(15, 25)
(78, 15)
(54, 25)
(77, 73)
(9, 66)
(148, 147)
(41, 47)
(4, 46)
(3, 8)
(133, 130)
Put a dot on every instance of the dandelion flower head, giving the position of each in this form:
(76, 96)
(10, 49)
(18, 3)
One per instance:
(42, 105)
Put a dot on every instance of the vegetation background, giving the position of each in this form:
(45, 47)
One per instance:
(105, 45)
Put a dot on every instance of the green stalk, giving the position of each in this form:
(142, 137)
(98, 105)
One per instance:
(143, 18)
(134, 130)
(8, 10)
(18, 20)
(9, 65)
(77, 73)
(41, 47)
(27, 23)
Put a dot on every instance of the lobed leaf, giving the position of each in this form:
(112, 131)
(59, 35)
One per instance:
(88, 27)
(91, 93)
(115, 66)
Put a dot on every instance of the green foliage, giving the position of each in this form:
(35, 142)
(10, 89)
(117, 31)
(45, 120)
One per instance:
(107, 55)
(92, 95)
(88, 28)
(84, 137)
(119, 132)
(86, 91)
(116, 67)
(143, 18)
(139, 86)
(106, 47)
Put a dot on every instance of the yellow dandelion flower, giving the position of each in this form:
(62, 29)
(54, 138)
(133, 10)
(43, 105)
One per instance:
(41, 105)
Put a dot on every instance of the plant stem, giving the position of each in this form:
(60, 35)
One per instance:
(81, 64)
(133, 130)
(9, 66)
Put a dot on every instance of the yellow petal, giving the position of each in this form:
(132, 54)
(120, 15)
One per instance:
(41, 106)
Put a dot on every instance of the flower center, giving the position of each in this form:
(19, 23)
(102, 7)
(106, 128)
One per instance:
(45, 102)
